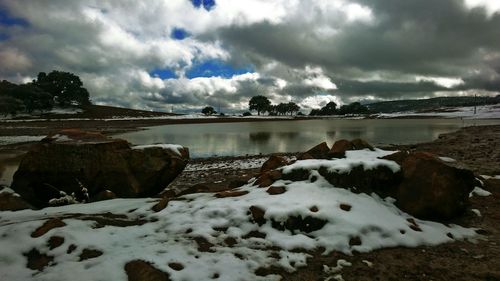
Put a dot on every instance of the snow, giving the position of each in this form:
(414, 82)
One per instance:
(476, 212)
(365, 158)
(172, 147)
(243, 164)
(66, 110)
(482, 112)
(479, 192)
(495, 177)
(447, 159)
(168, 236)
(5, 140)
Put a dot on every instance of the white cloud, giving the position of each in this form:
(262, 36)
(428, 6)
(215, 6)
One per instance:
(447, 82)
(316, 78)
(491, 6)
(318, 101)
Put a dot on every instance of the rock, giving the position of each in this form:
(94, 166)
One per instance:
(104, 195)
(176, 266)
(341, 146)
(345, 207)
(297, 175)
(47, 226)
(432, 189)
(320, 151)
(55, 241)
(258, 215)
(89, 254)
(273, 163)
(138, 270)
(381, 180)
(275, 190)
(268, 178)
(162, 204)
(37, 260)
(299, 224)
(12, 202)
(83, 165)
(304, 156)
(225, 194)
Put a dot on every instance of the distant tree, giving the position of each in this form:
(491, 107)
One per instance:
(292, 107)
(329, 109)
(282, 108)
(259, 103)
(353, 108)
(10, 105)
(66, 88)
(208, 110)
(315, 112)
(247, 113)
(33, 97)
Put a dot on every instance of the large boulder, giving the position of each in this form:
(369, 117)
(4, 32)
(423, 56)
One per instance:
(77, 165)
(341, 146)
(431, 188)
(320, 151)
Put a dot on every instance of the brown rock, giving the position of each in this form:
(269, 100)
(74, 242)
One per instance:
(304, 156)
(176, 266)
(162, 204)
(360, 144)
(230, 241)
(138, 270)
(274, 162)
(258, 215)
(47, 226)
(314, 209)
(89, 254)
(37, 260)
(345, 207)
(355, 241)
(268, 178)
(381, 180)
(341, 146)
(275, 190)
(88, 160)
(104, 195)
(431, 189)
(320, 151)
(12, 202)
(71, 249)
(299, 224)
(225, 194)
(55, 241)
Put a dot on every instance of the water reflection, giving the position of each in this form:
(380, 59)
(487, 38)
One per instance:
(292, 136)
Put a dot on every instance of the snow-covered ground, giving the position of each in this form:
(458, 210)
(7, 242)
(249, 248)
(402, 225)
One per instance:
(4, 140)
(482, 112)
(169, 235)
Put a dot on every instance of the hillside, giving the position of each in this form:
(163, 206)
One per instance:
(98, 112)
(432, 104)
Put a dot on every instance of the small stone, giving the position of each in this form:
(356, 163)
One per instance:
(345, 207)
(176, 266)
(47, 226)
(275, 190)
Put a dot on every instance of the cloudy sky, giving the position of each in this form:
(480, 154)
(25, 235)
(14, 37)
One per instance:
(187, 54)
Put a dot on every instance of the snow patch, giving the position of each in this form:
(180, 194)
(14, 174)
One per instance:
(479, 192)
(5, 140)
(172, 147)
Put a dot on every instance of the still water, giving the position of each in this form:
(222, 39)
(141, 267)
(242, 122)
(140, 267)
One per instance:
(232, 139)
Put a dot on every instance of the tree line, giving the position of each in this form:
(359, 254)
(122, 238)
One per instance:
(262, 104)
(42, 94)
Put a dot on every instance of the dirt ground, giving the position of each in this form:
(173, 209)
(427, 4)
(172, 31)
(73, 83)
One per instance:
(475, 147)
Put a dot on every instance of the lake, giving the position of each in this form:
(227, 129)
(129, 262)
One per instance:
(242, 138)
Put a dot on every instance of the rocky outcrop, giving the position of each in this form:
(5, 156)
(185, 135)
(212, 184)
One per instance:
(320, 151)
(274, 162)
(431, 188)
(423, 185)
(79, 166)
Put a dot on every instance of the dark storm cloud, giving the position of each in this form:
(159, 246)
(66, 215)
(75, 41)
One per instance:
(418, 37)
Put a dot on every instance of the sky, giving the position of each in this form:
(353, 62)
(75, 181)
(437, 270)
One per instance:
(188, 54)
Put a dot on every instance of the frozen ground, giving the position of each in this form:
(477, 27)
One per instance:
(482, 112)
(238, 245)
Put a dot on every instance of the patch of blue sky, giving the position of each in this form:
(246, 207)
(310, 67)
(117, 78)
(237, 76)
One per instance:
(216, 68)
(207, 4)
(6, 19)
(179, 34)
(163, 73)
